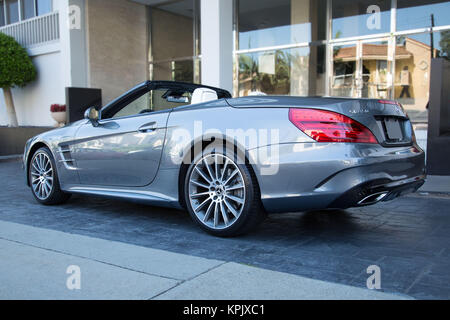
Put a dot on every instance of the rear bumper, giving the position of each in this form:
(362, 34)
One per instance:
(376, 191)
(312, 176)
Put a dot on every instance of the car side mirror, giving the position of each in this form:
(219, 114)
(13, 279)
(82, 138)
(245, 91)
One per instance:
(91, 114)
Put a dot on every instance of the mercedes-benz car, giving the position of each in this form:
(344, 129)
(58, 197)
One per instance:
(229, 161)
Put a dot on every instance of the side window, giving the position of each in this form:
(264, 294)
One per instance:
(163, 99)
(137, 106)
(154, 100)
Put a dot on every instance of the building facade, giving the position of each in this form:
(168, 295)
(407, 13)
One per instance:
(352, 48)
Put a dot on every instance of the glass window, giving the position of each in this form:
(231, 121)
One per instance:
(265, 23)
(28, 9)
(343, 83)
(413, 69)
(154, 100)
(137, 106)
(299, 72)
(43, 7)
(362, 70)
(2, 13)
(12, 11)
(172, 30)
(376, 71)
(353, 18)
(175, 41)
(413, 14)
(182, 70)
(441, 41)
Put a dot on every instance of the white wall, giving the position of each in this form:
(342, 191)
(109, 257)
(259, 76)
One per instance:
(33, 101)
(217, 43)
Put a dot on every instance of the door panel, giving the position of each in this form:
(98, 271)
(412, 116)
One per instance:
(120, 152)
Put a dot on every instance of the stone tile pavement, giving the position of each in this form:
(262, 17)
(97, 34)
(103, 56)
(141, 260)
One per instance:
(409, 238)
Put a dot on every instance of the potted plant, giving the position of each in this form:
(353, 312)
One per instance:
(16, 70)
(58, 112)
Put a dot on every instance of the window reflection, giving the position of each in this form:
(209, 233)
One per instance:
(172, 31)
(343, 83)
(412, 71)
(265, 23)
(299, 71)
(151, 101)
(174, 51)
(362, 70)
(180, 70)
(413, 14)
(376, 74)
(358, 18)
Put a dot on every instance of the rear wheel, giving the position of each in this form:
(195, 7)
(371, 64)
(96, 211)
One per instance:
(221, 193)
(44, 178)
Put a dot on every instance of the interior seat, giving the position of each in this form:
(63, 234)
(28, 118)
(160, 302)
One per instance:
(203, 95)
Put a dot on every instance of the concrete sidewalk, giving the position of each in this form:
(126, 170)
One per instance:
(33, 264)
(436, 184)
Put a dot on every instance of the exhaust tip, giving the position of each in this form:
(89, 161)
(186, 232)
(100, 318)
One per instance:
(373, 198)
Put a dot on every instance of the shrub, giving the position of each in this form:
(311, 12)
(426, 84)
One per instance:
(16, 70)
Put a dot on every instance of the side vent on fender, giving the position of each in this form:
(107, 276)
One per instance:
(66, 156)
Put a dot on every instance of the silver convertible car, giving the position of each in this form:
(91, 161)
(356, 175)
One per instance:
(227, 161)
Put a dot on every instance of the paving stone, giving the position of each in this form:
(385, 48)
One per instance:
(409, 237)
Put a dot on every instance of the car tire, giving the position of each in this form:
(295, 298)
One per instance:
(43, 178)
(221, 193)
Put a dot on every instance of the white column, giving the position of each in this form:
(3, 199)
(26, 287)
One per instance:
(62, 6)
(217, 43)
(73, 42)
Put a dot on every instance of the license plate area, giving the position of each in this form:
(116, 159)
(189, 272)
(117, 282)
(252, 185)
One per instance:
(396, 130)
(393, 127)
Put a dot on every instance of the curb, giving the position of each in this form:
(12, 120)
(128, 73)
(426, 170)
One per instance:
(11, 158)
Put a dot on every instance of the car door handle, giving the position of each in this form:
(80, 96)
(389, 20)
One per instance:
(147, 127)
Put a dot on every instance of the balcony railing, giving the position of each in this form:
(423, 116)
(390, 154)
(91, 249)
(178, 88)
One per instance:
(35, 31)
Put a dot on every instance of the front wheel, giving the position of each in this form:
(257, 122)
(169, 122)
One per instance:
(221, 193)
(44, 178)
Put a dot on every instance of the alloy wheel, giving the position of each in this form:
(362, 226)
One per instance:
(42, 175)
(216, 191)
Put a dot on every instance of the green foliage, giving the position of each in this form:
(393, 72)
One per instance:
(277, 83)
(445, 44)
(16, 67)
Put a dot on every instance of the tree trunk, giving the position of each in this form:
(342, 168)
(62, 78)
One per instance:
(10, 107)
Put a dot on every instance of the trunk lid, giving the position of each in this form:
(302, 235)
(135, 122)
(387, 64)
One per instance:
(387, 120)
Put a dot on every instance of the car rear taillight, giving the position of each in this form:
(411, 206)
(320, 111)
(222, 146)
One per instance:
(328, 126)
